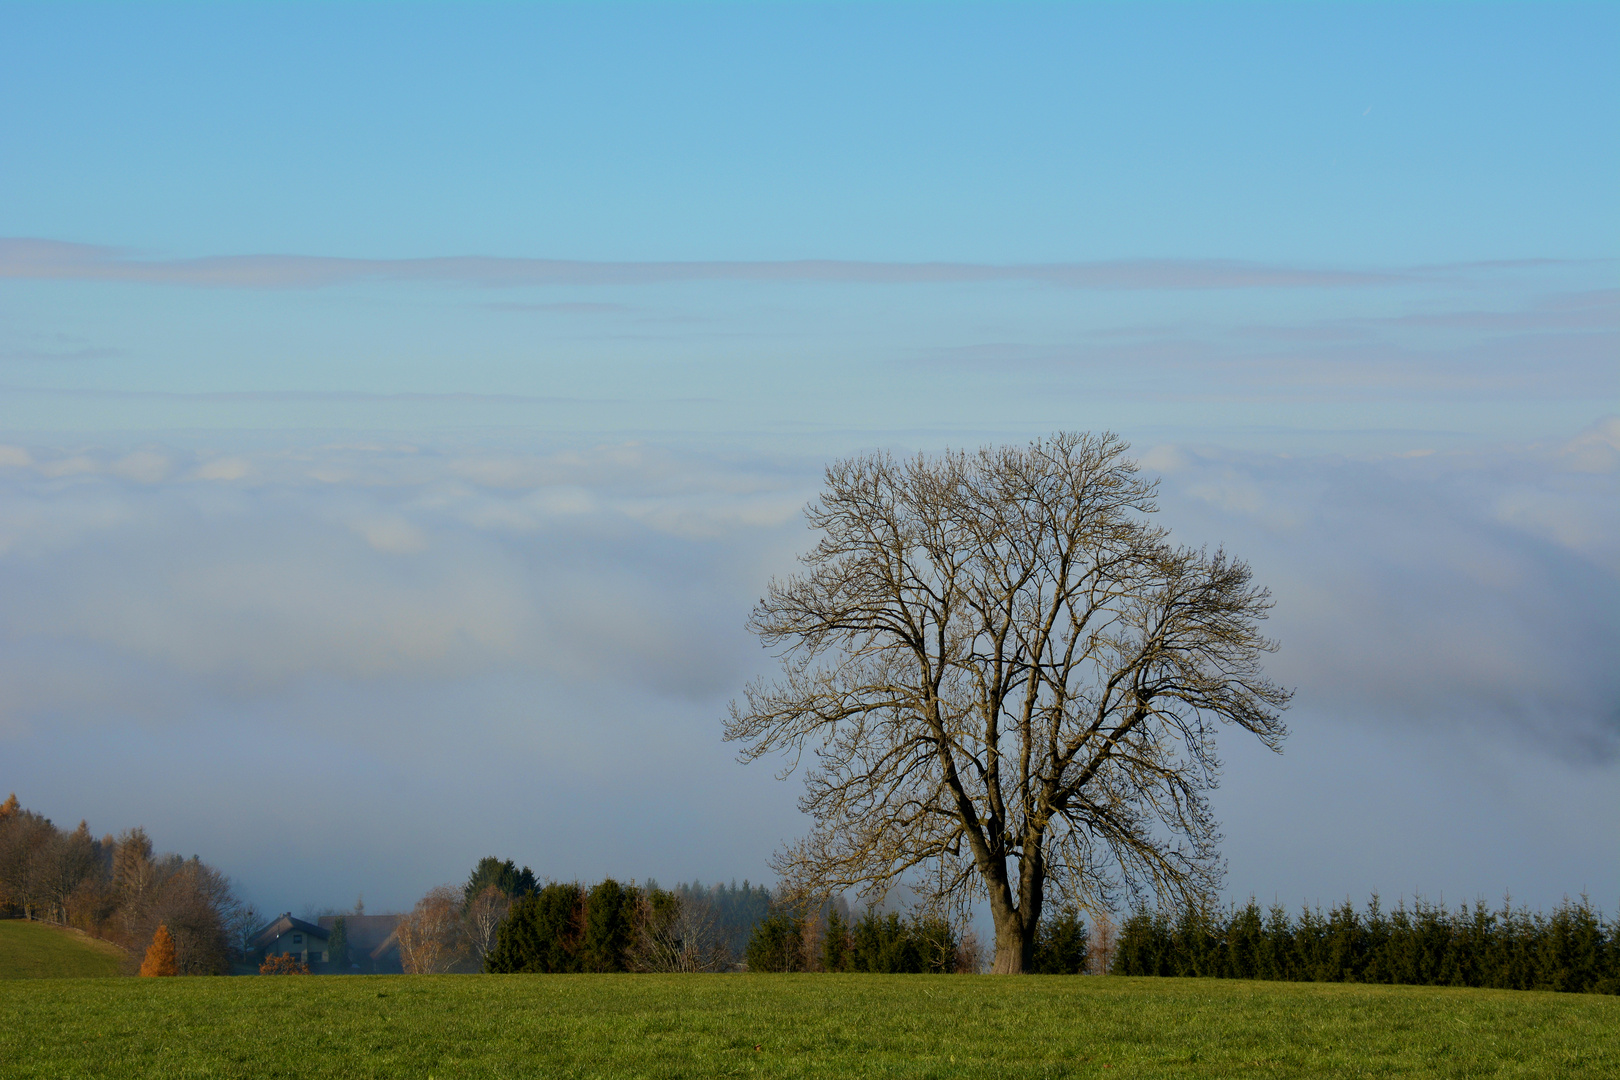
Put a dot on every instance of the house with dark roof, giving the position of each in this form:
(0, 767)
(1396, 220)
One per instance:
(373, 944)
(287, 936)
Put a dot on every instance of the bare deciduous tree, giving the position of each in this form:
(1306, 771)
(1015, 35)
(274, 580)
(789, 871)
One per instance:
(430, 937)
(1009, 683)
(1104, 942)
(133, 870)
(677, 934)
(242, 924)
(483, 919)
(193, 900)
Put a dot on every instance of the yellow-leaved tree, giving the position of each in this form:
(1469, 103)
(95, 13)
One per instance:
(160, 955)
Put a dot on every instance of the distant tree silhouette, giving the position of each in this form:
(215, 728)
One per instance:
(542, 933)
(482, 920)
(564, 927)
(675, 934)
(778, 942)
(337, 946)
(118, 889)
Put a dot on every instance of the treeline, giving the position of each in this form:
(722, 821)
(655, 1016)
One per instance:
(505, 920)
(611, 927)
(735, 909)
(118, 889)
(1574, 949)
(565, 927)
(825, 939)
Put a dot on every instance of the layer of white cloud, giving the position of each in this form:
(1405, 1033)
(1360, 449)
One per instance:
(463, 623)
(1475, 590)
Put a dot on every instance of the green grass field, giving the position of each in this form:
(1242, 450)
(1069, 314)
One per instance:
(791, 1026)
(30, 950)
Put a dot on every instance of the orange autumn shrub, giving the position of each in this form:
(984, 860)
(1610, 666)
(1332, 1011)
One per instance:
(284, 964)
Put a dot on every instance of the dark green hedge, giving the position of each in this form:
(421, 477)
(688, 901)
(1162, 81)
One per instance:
(886, 944)
(1574, 949)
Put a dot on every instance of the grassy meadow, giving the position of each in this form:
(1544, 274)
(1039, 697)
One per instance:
(31, 950)
(791, 1026)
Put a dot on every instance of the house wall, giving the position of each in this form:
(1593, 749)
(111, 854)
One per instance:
(300, 943)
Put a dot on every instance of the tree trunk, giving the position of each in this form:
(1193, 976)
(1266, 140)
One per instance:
(1015, 944)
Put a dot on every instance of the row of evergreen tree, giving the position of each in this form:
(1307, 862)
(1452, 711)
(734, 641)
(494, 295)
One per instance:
(569, 927)
(564, 927)
(825, 938)
(1574, 949)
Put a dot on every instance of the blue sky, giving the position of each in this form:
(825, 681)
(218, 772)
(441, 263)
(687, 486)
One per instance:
(1355, 134)
(401, 406)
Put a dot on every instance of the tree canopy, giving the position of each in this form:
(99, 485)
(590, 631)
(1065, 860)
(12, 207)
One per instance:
(504, 875)
(1007, 682)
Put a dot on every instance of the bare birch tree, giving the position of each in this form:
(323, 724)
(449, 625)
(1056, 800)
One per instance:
(483, 916)
(1008, 683)
(430, 937)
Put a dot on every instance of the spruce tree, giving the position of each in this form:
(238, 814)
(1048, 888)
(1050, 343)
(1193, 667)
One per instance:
(1061, 944)
(609, 925)
(835, 946)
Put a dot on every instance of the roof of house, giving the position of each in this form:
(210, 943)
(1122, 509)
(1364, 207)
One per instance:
(369, 934)
(286, 924)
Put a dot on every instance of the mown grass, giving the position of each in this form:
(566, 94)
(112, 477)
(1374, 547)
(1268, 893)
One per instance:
(792, 1026)
(31, 950)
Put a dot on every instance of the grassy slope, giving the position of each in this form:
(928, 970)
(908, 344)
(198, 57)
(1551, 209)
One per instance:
(30, 950)
(816, 1025)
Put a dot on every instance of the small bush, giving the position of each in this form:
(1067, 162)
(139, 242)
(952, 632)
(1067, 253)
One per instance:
(285, 964)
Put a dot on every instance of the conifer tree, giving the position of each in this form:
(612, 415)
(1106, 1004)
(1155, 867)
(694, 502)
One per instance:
(337, 945)
(160, 954)
(1062, 944)
(835, 946)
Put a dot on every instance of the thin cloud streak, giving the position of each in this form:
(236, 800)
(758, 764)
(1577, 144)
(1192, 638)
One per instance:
(54, 260)
(356, 396)
(1562, 345)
